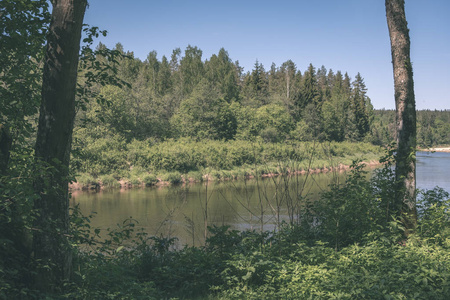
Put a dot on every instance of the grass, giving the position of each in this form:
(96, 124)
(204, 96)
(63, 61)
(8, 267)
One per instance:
(215, 160)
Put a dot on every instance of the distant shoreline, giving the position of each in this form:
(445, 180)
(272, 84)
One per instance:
(437, 149)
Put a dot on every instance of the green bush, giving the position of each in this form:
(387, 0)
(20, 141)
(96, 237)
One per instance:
(109, 181)
(99, 153)
(149, 179)
(85, 180)
(135, 180)
(434, 215)
(171, 177)
(196, 176)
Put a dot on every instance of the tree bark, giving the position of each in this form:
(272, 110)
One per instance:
(53, 143)
(405, 169)
(5, 146)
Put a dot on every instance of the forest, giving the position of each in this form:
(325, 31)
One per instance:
(172, 106)
(213, 98)
(188, 96)
(71, 110)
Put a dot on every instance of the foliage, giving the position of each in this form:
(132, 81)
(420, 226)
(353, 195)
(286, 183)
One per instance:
(86, 180)
(149, 179)
(273, 123)
(172, 177)
(16, 219)
(99, 154)
(285, 264)
(112, 155)
(347, 213)
(434, 215)
(345, 246)
(432, 128)
(109, 181)
(204, 115)
(214, 99)
(363, 258)
(23, 30)
(23, 27)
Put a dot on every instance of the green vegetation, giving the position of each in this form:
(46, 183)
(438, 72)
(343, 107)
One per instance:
(342, 246)
(181, 119)
(198, 159)
(187, 114)
(214, 99)
(433, 127)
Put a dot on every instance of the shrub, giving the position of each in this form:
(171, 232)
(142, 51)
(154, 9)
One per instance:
(85, 180)
(135, 180)
(109, 181)
(172, 177)
(187, 155)
(434, 215)
(196, 176)
(149, 179)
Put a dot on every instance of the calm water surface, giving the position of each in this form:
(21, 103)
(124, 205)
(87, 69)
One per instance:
(433, 169)
(184, 211)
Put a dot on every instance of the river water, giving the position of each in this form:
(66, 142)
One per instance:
(185, 211)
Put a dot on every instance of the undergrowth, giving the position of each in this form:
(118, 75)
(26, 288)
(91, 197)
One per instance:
(214, 160)
(344, 246)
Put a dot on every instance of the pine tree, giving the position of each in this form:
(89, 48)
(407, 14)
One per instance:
(289, 71)
(310, 92)
(221, 72)
(191, 68)
(322, 84)
(338, 84)
(256, 85)
(164, 77)
(152, 69)
(274, 80)
(359, 101)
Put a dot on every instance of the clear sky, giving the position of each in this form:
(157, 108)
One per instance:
(347, 35)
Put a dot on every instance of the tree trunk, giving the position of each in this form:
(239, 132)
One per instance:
(53, 143)
(405, 169)
(5, 146)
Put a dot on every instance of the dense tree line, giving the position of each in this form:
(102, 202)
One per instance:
(187, 96)
(433, 127)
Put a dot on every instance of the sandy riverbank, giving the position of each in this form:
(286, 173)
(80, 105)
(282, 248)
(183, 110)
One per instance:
(437, 149)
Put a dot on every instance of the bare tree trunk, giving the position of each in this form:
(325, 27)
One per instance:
(405, 169)
(53, 143)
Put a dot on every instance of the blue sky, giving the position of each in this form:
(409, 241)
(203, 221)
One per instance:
(347, 35)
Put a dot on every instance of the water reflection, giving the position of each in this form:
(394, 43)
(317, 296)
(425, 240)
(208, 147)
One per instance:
(185, 211)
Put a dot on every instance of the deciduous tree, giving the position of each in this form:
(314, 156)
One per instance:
(53, 143)
(405, 169)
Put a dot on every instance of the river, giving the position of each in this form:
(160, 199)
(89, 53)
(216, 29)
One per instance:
(185, 211)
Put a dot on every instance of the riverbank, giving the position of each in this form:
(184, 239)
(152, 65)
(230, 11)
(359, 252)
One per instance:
(364, 257)
(223, 175)
(145, 163)
(436, 149)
